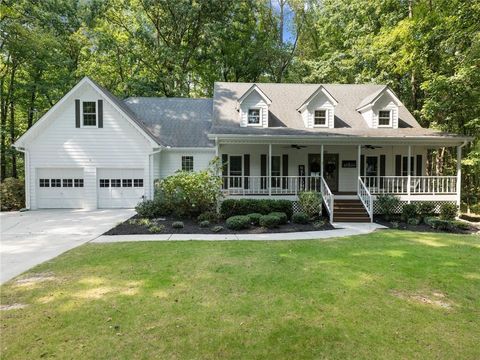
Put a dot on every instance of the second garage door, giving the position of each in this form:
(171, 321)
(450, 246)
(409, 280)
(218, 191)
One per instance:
(120, 188)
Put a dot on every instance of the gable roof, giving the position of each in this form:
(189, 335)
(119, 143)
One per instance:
(259, 91)
(372, 98)
(322, 89)
(285, 119)
(175, 122)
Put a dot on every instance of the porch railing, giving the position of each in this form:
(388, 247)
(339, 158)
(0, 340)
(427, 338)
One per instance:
(327, 197)
(418, 184)
(365, 197)
(259, 185)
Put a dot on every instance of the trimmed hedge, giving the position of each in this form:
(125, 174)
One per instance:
(281, 215)
(152, 209)
(300, 218)
(232, 207)
(270, 221)
(409, 211)
(238, 222)
(448, 211)
(254, 218)
(178, 225)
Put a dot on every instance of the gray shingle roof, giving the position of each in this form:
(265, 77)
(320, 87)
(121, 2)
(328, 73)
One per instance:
(175, 122)
(286, 120)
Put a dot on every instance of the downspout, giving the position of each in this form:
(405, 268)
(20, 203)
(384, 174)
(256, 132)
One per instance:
(26, 165)
(150, 172)
(459, 173)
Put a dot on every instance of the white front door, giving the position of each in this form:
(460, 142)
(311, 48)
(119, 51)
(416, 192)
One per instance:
(58, 188)
(120, 188)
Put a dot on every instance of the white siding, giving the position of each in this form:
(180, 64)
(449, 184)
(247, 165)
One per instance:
(254, 101)
(170, 161)
(117, 145)
(385, 102)
(319, 102)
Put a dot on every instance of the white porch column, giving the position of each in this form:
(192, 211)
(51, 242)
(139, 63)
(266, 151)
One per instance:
(359, 166)
(459, 174)
(321, 161)
(216, 147)
(269, 169)
(409, 178)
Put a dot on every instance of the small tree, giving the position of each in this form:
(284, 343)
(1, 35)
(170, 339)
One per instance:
(387, 204)
(311, 203)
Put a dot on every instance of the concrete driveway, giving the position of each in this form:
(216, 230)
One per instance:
(32, 237)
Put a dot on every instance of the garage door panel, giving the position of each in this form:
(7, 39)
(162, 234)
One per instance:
(60, 188)
(120, 188)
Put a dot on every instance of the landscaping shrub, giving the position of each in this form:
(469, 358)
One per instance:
(413, 221)
(300, 218)
(190, 193)
(425, 208)
(281, 215)
(238, 222)
(232, 207)
(448, 211)
(319, 224)
(254, 218)
(446, 225)
(387, 205)
(204, 224)
(12, 194)
(210, 216)
(269, 221)
(156, 228)
(152, 209)
(311, 203)
(409, 211)
(459, 225)
(475, 209)
(217, 228)
(430, 220)
(178, 225)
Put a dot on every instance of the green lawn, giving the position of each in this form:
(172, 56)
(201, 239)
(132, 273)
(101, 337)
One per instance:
(390, 295)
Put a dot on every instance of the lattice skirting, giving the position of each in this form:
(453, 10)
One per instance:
(296, 207)
(398, 209)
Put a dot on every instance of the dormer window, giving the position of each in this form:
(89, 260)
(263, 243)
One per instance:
(89, 113)
(253, 116)
(320, 118)
(385, 118)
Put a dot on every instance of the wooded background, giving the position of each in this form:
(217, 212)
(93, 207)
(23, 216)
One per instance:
(427, 51)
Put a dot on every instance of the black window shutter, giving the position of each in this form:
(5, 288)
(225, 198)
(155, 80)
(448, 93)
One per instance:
(419, 165)
(100, 113)
(246, 170)
(225, 170)
(77, 113)
(412, 165)
(285, 171)
(263, 171)
(362, 165)
(398, 165)
(382, 165)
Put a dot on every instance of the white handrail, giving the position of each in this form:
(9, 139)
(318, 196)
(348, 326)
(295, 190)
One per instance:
(365, 198)
(327, 197)
(259, 185)
(431, 185)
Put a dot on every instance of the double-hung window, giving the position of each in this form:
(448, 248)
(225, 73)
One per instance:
(385, 118)
(320, 118)
(187, 163)
(254, 117)
(89, 113)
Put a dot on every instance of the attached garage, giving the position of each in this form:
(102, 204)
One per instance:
(120, 188)
(60, 188)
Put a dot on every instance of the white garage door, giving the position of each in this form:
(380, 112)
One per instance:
(120, 188)
(60, 188)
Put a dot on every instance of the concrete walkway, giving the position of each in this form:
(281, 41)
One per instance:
(342, 230)
(32, 237)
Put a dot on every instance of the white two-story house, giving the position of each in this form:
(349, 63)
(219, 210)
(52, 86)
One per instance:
(349, 142)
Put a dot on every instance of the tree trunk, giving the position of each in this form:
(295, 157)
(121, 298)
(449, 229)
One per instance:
(3, 129)
(12, 120)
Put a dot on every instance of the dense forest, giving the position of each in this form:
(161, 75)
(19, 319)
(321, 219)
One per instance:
(427, 51)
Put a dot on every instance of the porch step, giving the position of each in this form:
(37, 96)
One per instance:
(349, 210)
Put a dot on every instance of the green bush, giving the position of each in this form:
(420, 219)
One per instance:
(217, 228)
(204, 224)
(446, 225)
(178, 225)
(210, 216)
(12, 194)
(238, 222)
(459, 225)
(152, 209)
(475, 209)
(409, 211)
(281, 215)
(430, 220)
(269, 221)
(156, 228)
(319, 224)
(300, 218)
(232, 207)
(254, 218)
(190, 193)
(413, 221)
(387, 205)
(425, 208)
(311, 203)
(448, 211)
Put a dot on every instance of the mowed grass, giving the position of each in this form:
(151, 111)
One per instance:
(387, 295)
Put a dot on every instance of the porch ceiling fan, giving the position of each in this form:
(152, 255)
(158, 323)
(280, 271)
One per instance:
(298, 147)
(371, 147)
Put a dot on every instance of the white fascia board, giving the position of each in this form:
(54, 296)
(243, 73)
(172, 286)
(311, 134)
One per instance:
(387, 90)
(253, 88)
(315, 93)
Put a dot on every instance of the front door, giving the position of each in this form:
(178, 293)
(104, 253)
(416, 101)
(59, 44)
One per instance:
(330, 171)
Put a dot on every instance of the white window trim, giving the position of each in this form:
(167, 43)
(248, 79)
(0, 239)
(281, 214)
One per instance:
(390, 124)
(326, 118)
(81, 114)
(260, 117)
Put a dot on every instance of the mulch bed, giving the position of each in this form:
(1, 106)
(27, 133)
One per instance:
(191, 227)
(422, 227)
